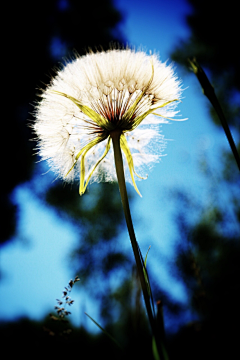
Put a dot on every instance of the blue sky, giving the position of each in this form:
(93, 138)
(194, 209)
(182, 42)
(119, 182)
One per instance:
(35, 265)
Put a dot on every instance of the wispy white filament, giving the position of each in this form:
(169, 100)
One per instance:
(109, 83)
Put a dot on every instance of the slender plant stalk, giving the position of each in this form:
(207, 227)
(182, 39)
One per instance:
(115, 135)
(208, 90)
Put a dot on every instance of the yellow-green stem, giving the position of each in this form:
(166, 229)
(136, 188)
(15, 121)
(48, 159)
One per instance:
(115, 135)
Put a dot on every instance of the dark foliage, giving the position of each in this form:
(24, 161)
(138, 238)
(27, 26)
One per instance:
(209, 250)
(47, 340)
(208, 262)
(39, 35)
(213, 41)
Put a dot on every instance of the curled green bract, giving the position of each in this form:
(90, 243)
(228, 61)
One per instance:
(124, 146)
(93, 115)
(83, 186)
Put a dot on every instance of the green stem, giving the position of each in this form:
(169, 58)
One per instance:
(115, 135)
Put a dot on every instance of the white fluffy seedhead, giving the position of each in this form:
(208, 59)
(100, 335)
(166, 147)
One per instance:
(124, 89)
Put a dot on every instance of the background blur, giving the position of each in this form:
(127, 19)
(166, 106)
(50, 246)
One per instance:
(189, 213)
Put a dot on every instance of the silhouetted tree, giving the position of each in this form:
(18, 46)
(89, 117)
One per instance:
(213, 40)
(209, 249)
(37, 36)
(208, 262)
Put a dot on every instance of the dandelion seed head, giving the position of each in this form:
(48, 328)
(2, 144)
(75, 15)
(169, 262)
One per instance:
(95, 94)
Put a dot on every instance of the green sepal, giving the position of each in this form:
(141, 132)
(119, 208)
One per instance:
(86, 147)
(140, 118)
(82, 187)
(128, 155)
(97, 118)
